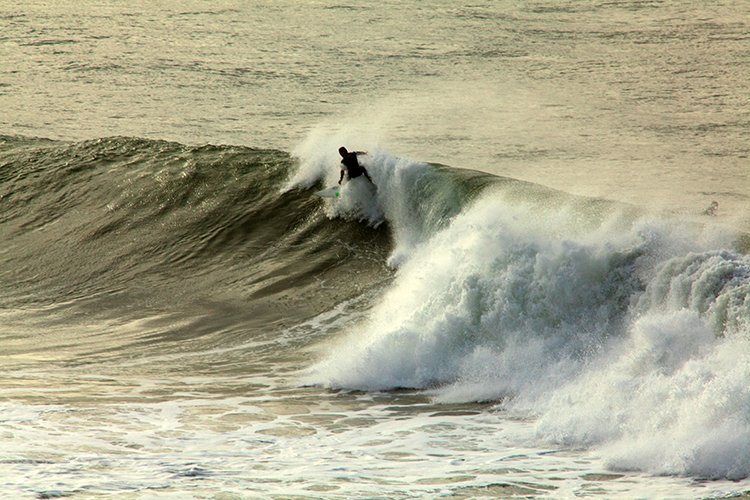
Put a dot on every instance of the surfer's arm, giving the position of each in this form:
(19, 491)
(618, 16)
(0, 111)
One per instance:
(342, 176)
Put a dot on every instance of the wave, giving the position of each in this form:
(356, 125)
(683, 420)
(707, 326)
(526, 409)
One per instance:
(616, 329)
(143, 225)
(150, 224)
(613, 328)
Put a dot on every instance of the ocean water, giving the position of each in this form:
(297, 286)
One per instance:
(534, 300)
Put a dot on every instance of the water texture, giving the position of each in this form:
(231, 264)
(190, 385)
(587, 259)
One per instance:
(535, 298)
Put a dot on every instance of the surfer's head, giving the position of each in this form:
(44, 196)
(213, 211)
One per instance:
(343, 151)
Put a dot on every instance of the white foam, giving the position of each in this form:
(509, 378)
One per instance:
(629, 337)
(396, 194)
(225, 447)
(488, 281)
(672, 397)
(318, 154)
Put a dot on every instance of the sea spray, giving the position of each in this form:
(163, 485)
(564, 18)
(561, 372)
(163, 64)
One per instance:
(416, 199)
(673, 396)
(498, 276)
(628, 335)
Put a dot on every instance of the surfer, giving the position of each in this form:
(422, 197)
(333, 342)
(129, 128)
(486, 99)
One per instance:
(350, 165)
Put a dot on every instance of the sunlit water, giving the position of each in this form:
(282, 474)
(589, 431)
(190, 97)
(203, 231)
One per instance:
(639, 102)
(645, 102)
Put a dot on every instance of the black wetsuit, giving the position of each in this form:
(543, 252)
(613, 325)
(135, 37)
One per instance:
(351, 165)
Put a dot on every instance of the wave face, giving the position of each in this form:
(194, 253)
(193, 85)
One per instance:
(146, 225)
(615, 330)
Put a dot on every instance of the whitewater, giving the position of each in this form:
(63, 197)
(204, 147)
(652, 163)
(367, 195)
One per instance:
(544, 293)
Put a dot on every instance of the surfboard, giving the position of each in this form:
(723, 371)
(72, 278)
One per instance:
(331, 192)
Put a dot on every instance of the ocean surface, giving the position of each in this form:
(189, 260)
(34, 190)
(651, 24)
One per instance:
(545, 293)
